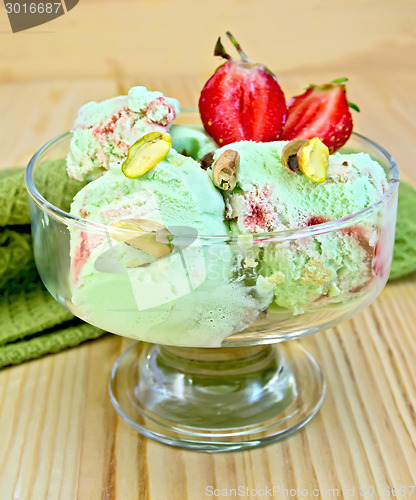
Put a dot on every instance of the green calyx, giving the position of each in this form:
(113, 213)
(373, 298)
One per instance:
(238, 47)
(343, 79)
(353, 106)
(329, 86)
(221, 52)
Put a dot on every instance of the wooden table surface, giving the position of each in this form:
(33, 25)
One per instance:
(59, 435)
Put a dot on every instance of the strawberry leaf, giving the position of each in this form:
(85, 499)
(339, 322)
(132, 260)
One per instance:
(270, 72)
(340, 80)
(220, 50)
(353, 106)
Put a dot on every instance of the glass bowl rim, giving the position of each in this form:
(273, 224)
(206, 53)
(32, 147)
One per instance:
(287, 234)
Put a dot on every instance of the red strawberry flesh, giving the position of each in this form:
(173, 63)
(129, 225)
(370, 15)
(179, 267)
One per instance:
(320, 112)
(242, 101)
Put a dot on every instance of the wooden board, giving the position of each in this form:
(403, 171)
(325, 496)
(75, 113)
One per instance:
(59, 435)
(103, 38)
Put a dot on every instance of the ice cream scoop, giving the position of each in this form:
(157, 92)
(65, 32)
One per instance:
(103, 132)
(268, 197)
(191, 140)
(177, 192)
(192, 289)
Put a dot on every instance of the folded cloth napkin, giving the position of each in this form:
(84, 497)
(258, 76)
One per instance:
(404, 255)
(32, 322)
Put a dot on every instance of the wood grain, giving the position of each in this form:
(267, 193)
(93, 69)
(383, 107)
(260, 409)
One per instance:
(59, 435)
(161, 37)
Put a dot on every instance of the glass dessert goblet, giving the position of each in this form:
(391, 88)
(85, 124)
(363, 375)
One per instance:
(215, 367)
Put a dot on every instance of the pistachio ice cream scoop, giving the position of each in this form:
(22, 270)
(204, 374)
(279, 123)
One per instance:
(162, 276)
(272, 193)
(267, 197)
(104, 131)
(191, 140)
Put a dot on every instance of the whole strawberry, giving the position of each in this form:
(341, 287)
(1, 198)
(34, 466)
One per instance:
(322, 111)
(242, 100)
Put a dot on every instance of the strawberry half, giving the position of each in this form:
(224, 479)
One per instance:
(321, 111)
(242, 101)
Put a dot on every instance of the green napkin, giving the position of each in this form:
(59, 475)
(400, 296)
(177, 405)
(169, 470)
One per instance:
(51, 180)
(32, 322)
(15, 253)
(404, 255)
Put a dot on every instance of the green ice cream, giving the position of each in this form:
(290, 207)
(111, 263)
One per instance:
(318, 269)
(191, 296)
(176, 192)
(191, 140)
(269, 198)
(104, 131)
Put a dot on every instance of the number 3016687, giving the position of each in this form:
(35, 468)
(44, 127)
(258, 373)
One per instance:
(33, 8)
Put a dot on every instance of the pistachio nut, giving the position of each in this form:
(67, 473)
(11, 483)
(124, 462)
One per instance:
(289, 152)
(145, 154)
(131, 264)
(313, 160)
(146, 235)
(225, 169)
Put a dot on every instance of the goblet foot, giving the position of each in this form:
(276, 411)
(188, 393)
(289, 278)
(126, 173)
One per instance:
(216, 400)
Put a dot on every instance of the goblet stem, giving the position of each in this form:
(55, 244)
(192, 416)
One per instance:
(216, 388)
(216, 399)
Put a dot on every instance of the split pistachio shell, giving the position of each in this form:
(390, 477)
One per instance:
(131, 264)
(225, 169)
(153, 238)
(145, 154)
(289, 152)
(313, 160)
